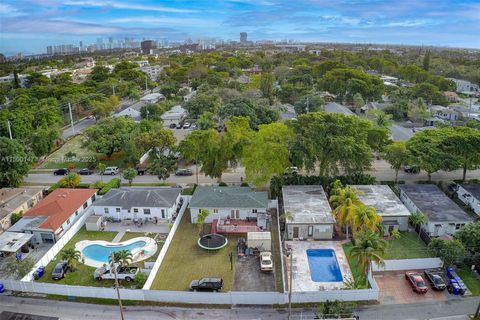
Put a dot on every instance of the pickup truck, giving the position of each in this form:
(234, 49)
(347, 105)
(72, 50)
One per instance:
(123, 273)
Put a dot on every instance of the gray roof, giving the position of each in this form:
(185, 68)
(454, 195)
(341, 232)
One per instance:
(473, 189)
(13, 241)
(338, 108)
(430, 200)
(307, 204)
(383, 199)
(12, 198)
(228, 197)
(400, 133)
(27, 223)
(139, 197)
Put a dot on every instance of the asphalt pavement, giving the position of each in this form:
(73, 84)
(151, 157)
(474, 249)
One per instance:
(77, 128)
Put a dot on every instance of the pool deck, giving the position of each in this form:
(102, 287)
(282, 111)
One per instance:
(302, 280)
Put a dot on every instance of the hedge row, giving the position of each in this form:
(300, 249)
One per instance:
(114, 183)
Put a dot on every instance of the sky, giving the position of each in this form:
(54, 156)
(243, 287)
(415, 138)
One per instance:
(28, 26)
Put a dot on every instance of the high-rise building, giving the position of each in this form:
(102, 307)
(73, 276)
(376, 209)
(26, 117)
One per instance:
(147, 46)
(243, 37)
(50, 50)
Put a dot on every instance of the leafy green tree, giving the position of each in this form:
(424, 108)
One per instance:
(267, 153)
(37, 79)
(15, 162)
(42, 140)
(101, 169)
(309, 103)
(121, 258)
(158, 139)
(245, 107)
(380, 118)
(15, 217)
(368, 248)
(71, 257)
(201, 103)
(346, 205)
(192, 147)
(71, 180)
(469, 236)
(155, 111)
(162, 166)
(206, 121)
(18, 269)
(417, 219)
(201, 217)
(366, 218)
(397, 155)
(99, 73)
(267, 79)
(450, 251)
(358, 101)
(426, 61)
(129, 174)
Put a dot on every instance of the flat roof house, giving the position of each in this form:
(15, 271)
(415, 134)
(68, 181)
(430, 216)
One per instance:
(55, 214)
(393, 212)
(311, 215)
(16, 200)
(444, 217)
(147, 203)
(173, 116)
(230, 208)
(470, 195)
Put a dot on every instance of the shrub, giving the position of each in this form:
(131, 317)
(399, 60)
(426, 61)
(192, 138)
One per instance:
(244, 184)
(15, 217)
(222, 184)
(99, 185)
(140, 280)
(114, 183)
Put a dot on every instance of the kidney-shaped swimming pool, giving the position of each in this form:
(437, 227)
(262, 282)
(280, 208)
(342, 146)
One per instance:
(324, 265)
(102, 252)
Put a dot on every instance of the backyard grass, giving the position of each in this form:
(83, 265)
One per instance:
(408, 246)
(185, 261)
(353, 263)
(470, 279)
(83, 275)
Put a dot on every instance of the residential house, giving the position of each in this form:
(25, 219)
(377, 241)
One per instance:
(174, 116)
(451, 96)
(149, 203)
(444, 217)
(152, 98)
(387, 205)
(189, 96)
(448, 114)
(16, 200)
(55, 214)
(464, 86)
(470, 195)
(310, 215)
(131, 112)
(333, 107)
(228, 206)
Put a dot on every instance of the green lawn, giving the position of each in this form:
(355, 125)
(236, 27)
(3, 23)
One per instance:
(83, 276)
(470, 280)
(185, 261)
(408, 246)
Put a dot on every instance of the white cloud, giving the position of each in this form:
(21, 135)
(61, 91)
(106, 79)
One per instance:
(123, 5)
(193, 22)
(7, 10)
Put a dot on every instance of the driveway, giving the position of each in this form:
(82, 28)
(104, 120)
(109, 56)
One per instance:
(248, 276)
(394, 289)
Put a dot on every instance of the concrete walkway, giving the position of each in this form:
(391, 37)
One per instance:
(119, 236)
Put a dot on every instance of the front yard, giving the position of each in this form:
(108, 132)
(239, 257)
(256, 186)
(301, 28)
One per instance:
(186, 261)
(470, 279)
(408, 246)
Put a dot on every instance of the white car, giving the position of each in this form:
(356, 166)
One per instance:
(111, 171)
(123, 273)
(266, 262)
(186, 125)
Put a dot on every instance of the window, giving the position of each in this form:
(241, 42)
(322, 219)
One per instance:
(85, 205)
(458, 226)
(163, 213)
(117, 210)
(254, 210)
(93, 198)
(76, 213)
(135, 210)
(146, 211)
(68, 221)
(215, 210)
(105, 210)
(310, 231)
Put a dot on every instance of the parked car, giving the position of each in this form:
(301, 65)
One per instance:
(416, 282)
(111, 171)
(60, 270)
(266, 262)
(61, 172)
(411, 169)
(183, 172)
(179, 126)
(123, 273)
(141, 171)
(85, 172)
(186, 125)
(207, 284)
(193, 126)
(436, 280)
(172, 126)
(291, 170)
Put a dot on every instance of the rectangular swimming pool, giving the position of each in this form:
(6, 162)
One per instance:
(323, 265)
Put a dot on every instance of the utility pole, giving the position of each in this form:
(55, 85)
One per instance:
(71, 117)
(114, 267)
(9, 129)
(290, 286)
(113, 90)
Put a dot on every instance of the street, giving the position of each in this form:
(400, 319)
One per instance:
(381, 171)
(78, 127)
(71, 310)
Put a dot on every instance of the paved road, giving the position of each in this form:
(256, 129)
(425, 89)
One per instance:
(78, 127)
(381, 171)
(71, 310)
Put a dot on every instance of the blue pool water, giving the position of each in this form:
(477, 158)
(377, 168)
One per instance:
(102, 253)
(323, 265)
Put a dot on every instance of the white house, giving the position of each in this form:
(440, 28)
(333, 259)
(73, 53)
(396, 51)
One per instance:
(470, 195)
(55, 214)
(444, 217)
(310, 213)
(139, 202)
(129, 112)
(152, 98)
(173, 116)
(228, 203)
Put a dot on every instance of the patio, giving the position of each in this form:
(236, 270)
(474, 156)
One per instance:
(149, 227)
(234, 226)
(36, 254)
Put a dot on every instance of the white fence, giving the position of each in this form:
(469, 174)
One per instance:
(408, 264)
(57, 247)
(163, 252)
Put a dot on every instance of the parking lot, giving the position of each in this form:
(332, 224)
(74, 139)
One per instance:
(248, 276)
(395, 289)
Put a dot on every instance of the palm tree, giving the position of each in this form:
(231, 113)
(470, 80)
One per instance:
(368, 247)
(345, 202)
(122, 258)
(71, 180)
(201, 217)
(71, 256)
(417, 219)
(366, 218)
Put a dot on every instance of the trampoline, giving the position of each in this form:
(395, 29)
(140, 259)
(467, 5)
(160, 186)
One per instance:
(212, 242)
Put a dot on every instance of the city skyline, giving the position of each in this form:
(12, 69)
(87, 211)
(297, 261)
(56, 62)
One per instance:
(30, 28)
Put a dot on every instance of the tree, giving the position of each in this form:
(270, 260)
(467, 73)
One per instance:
(397, 155)
(417, 219)
(15, 217)
(109, 135)
(346, 204)
(246, 107)
(71, 180)
(368, 248)
(335, 309)
(101, 169)
(71, 257)
(201, 217)
(206, 121)
(160, 139)
(191, 148)
(380, 118)
(122, 258)
(202, 102)
(450, 251)
(15, 162)
(41, 141)
(267, 79)
(129, 174)
(162, 166)
(358, 101)
(469, 236)
(18, 268)
(267, 153)
(426, 61)
(309, 103)
(366, 218)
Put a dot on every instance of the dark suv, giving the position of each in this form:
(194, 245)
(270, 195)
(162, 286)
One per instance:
(59, 271)
(207, 284)
(61, 172)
